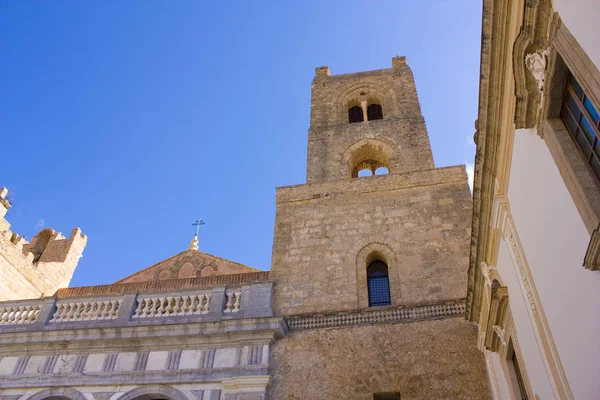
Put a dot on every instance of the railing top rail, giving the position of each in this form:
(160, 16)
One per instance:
(164, 286)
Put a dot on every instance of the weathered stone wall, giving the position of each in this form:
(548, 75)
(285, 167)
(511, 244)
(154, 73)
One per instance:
(325, 232)
(39, 268)
(422, 360)
(401, 133)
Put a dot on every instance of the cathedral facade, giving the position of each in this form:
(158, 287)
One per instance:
(365, 298)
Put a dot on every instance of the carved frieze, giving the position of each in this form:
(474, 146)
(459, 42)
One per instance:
(387, 315)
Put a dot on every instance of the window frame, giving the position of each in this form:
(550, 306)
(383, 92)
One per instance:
(593, 143)
(355, 114)
(378, 112)
(372, 296)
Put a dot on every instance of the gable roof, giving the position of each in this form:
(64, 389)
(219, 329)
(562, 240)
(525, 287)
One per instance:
(188, 264)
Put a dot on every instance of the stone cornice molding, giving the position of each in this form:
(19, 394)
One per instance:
(493, 76)
(131, 378)
(381, 183)
(244, 384)
(219, 334)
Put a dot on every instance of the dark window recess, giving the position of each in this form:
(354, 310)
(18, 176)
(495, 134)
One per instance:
(378, 284)
(520, 381)
(583, 123)
(355, 114)
(374, 111)
(386, 396)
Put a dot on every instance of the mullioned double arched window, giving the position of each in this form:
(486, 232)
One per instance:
(356, 110)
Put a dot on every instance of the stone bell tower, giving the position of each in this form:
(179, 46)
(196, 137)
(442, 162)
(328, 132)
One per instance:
(366, 120)
(370, 256)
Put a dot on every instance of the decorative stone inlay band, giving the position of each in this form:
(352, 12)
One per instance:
(388, 315)
(150, 307)
(86, 311)
(18, 314)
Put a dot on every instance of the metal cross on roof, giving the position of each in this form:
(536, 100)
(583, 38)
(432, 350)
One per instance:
(197, 224)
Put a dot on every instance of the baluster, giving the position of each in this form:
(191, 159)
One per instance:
(33, 314)
(229, 302)
(102, 306)
(205, 303)
(70, 309)
(56, 314)
(4, 314)
(187, 309)
(110, 306)
(77, 311)
(151, 307)
(11, 315)
(17, 315)
(161, 308)
(115, 312)
(180, 305)
(95, 310)
(138, 308)
(86, 311)
(196, 303)
(148, 307)
(156, 306)
(22, 315)
(169, 302)
(90, 311)
(236, 301)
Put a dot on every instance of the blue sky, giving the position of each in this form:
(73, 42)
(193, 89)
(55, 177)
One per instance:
(130, 119)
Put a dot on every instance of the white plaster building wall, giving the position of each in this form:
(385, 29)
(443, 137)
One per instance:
(498, 376)
(581, 18)
(555, 240)
(528, 343)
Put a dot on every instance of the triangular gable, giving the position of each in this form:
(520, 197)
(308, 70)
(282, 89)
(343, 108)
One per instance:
(188, 264)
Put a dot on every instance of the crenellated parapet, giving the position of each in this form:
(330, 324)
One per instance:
(36, 268)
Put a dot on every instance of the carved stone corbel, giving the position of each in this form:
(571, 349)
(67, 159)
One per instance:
(530, 54)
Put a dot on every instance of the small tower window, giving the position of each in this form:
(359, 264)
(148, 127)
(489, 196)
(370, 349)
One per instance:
(374, 111)
(355, 114)
(379, 284)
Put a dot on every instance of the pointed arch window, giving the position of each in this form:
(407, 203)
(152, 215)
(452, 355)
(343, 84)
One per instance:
(374, 111)
(378, 283)
(355, 114)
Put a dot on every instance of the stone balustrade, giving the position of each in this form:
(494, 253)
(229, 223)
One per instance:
(150, 307)
(18, 314)
(204, 304)
(90, 310)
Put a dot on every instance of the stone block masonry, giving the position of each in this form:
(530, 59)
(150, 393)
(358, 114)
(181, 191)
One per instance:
(39, 268)
(422, 360)
(325, 232)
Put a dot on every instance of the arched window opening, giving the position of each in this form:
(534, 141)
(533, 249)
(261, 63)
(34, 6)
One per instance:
(365, 172)
(382, 171)
(369, 156)
(378, 283)
(374, 111)
(355, 114)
